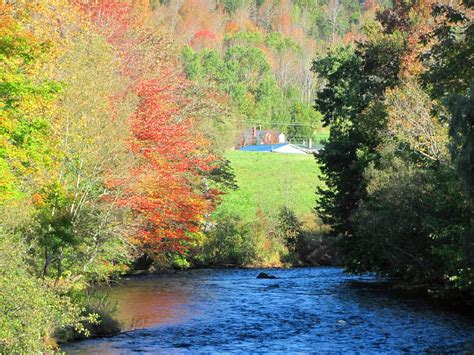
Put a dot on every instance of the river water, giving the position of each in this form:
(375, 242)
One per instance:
(320, 310)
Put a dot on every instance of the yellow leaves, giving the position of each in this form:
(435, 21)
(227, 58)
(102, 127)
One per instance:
(38, 200)
(410, 119)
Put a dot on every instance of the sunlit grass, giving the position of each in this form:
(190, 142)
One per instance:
(268, 181)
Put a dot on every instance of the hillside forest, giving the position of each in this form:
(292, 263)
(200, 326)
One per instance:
(117, 121)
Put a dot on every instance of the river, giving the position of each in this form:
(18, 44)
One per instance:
(303, 310)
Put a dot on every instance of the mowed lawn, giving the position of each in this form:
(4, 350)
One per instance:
(267, 181)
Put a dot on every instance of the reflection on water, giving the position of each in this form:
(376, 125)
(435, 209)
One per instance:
(304, 310)
(143, 304)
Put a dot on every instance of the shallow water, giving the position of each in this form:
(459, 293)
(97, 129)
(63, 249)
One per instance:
(304, 310)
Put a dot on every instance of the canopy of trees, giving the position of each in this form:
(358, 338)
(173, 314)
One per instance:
(258, 53)
(398, 163)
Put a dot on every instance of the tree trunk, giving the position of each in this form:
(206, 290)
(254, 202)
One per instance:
(60, 267)
(46, 262)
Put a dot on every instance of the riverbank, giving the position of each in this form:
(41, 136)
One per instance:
(450, 301)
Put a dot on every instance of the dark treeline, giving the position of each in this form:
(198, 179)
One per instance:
(399, 161)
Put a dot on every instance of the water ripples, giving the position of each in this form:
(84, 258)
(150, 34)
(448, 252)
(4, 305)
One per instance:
(304, 310)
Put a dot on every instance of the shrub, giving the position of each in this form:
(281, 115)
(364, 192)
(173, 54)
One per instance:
(289, 227)
(30, 310)
(230, 243)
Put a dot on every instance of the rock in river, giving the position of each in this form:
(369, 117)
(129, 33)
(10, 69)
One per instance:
(264, 275)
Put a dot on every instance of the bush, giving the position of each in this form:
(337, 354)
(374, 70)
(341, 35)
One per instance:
(30, 310)
(305, 246)
(230, 243)
(290, 228)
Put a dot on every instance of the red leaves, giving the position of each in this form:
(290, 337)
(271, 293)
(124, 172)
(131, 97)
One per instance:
(168, 194)
(114, 18)
(164, 188)
(205, 34)
(203, 39)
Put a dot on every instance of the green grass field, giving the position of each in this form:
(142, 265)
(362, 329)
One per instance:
(268, 180)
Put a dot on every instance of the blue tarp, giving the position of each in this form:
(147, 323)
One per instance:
(262, 147)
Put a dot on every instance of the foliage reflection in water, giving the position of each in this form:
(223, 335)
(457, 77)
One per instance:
(306, 309)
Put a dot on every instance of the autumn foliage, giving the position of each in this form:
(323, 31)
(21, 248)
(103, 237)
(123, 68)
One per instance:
(127, 142)
(165, 186)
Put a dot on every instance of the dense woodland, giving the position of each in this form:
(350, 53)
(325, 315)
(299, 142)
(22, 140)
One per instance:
(115, 117)
(399, 161)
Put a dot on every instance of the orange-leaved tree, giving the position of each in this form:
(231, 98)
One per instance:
(166, 187)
